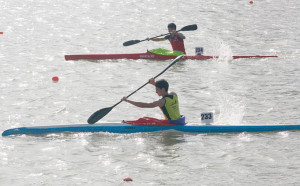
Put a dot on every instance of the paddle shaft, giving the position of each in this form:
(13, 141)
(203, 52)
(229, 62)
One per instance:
(157, 36)
(175, 60)
(186, 28)
(96, 116)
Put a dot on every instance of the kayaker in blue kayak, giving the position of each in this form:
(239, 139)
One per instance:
(168, 104)
(175, 38)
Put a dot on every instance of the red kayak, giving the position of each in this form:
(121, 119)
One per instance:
(148, 55)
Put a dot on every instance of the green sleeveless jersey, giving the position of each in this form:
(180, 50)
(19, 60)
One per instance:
(171, 107)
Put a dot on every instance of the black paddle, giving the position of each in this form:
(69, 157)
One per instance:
(102, 112)
(186, 28)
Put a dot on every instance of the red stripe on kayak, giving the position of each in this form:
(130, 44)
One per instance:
(147, 121)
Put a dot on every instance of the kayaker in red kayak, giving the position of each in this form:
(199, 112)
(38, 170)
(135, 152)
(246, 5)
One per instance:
(168, 104)
(176, 38)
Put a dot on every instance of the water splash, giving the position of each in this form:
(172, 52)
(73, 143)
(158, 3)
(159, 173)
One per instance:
(223, 50)
(231, 109)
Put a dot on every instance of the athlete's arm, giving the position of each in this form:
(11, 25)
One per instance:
(158, 103)
(173, 32)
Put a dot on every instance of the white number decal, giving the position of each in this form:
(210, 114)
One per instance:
(207, 117)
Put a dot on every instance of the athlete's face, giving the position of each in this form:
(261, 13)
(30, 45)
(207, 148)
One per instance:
(171, 30)
(158, 91)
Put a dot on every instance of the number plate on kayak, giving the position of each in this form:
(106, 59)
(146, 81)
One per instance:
(207, 117)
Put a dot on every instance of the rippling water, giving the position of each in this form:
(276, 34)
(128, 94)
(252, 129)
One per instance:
(37, 35)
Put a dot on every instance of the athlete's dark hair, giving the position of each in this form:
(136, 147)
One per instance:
(162, 84)
(172, 25)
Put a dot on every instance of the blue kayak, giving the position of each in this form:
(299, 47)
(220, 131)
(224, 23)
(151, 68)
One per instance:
(127, 128)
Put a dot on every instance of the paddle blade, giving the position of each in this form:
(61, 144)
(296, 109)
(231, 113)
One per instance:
(189, 28)
(131, 42)
(98, 115)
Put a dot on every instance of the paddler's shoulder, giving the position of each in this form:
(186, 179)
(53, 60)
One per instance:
(172, 93)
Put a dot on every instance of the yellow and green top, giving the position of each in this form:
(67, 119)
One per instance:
(171, 107)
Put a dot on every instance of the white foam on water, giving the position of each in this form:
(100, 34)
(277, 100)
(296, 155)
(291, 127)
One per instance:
(231, 109)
